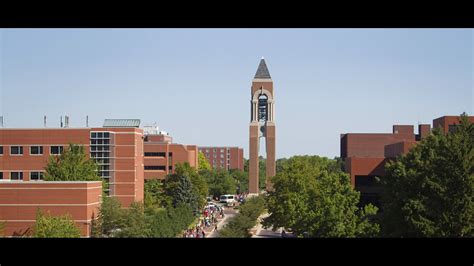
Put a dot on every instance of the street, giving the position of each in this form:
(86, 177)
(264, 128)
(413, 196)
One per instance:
(229, 212)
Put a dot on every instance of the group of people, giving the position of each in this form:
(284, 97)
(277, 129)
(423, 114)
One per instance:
(209, 219)
(241, 197)
(211, 213)
(197, 232)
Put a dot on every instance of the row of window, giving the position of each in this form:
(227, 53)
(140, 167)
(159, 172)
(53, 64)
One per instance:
(100, 142)
(100, 135)
(34, 150)
(215, 150)
(222, 161)
(215, 156)
(155, 154)
(100, 154)
(158, 167)
(100, 148)
(19, 175)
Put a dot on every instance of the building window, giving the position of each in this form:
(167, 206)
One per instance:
(1, 150)
(155, 154)
(36, 150)
(372, 198)
(214, 150)
(207, 150)
(155, 167)
(215, 155)
(56, 150)
(1, 175)
(16, 150)
(222, 150)
(222, 155)
(170, 167)
(36, 175)
(16, 175)
(365, 181)
(452, 128)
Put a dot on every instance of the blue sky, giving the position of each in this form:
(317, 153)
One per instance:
(195, 83)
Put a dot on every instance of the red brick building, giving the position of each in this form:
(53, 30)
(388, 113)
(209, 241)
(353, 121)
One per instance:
(126, 156)
(161, 155)
(365, 154)
(117, 148)
(226, 158)
(21, 200)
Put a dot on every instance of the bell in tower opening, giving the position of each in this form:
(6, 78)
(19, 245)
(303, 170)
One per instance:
(262, 108)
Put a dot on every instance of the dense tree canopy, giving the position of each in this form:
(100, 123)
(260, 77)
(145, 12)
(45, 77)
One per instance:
(48, 226)
(240, 225)
(430, 191)
(2, 228)
(180, 189)
(170, 222)
(71, 165)
(110, 220)
(220, 182)
(203, 163)
(154, 194)
(200, 187)
(241, 179)
(312, 196)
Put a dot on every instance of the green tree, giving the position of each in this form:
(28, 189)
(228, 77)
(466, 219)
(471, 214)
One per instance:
(181, 191)
(241, 179)
(198, 181)
(240, 225)
(154, 194)
(71, 165)
(110, 220)
(313, 196)
(2, 228)
(134, 223)
(170, 222)
(429, 192)
(48, 226)
(203, 162)
(220, 182)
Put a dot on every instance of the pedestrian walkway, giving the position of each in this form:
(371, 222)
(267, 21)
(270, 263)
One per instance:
(229, 213)
(210, 218)
(259, 232)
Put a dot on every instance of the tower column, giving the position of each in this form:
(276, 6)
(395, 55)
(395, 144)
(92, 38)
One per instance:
(270, 147)
(253, 159)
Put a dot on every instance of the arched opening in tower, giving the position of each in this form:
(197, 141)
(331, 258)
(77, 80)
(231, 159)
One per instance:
(262, 108)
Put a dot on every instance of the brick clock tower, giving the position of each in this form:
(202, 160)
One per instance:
(262, 124)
